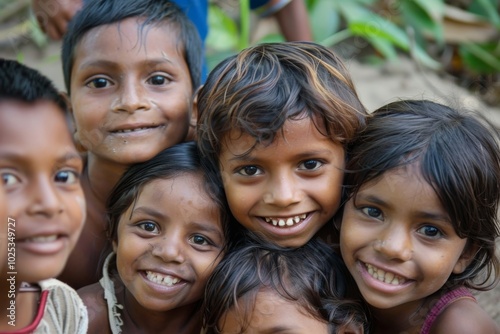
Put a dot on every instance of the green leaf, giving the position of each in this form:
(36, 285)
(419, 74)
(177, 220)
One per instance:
(367, 24)
(271, 38)
(383, 46)
(424, 17)
(488, 9)
(223, 33)
(479, 58)
(324, 19)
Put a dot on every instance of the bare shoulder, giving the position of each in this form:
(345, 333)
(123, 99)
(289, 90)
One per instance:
(464, 316)
(93, 298)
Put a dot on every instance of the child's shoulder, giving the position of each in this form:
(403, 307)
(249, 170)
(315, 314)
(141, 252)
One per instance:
(64, 310)
(93, 298)
(464, 315)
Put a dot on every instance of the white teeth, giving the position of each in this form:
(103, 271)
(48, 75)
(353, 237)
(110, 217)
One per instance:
(162, 279)
(132, 130)
(282, 222)
(383, 276)
(42, 239)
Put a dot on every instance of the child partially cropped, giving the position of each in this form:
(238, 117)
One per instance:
(418, 231)
(40, 168)
(274, 120)
(169, 227)
(130, 69)
(260, 287)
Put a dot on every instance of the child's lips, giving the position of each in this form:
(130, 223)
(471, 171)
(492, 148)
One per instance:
(162, 279)
(43, 244)
(285, 221)
(134, 128)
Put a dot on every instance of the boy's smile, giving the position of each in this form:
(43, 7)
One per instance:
(286, 190)
(131, 91)
(40, 168)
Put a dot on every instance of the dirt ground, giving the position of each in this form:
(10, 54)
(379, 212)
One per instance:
(376, 86)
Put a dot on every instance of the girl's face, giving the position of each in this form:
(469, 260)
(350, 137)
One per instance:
(398, 242)
(273, 314)
(131, 91)
(288, 190)
(168, 243)
(40, 168)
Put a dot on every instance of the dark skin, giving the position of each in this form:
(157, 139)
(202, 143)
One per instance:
(91, 244)
(136, 319)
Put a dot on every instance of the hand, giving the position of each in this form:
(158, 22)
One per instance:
(53, 15)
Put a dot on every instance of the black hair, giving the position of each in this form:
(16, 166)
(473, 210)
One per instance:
(96, 13)
(259, 89)
(458, 155)
(313, 276)
(22, 83)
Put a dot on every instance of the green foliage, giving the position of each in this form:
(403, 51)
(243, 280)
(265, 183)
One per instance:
(389, 26)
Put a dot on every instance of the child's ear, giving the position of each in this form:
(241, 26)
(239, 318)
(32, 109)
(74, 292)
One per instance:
(194, 117)
(115, 246)
(466, 258)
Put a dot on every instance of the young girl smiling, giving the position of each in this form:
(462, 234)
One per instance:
(419, 228)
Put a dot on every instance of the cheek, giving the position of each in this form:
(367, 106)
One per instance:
(80, 200)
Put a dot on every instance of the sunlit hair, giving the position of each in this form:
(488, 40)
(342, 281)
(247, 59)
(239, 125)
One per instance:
(97, 13)
(175, 161)
(256, 91)
(312, 276)
(457, 154)
(22, 83)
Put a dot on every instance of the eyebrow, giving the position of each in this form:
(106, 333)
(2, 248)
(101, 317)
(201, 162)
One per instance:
(148, 211)
(304, 155)
(15, 156)
(211, 228)
(420, 214)
(277, 329)
(112, 64)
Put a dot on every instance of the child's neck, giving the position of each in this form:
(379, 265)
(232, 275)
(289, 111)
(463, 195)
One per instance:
(19, 311)
(102, 175)
(407, 318)
(136, 319)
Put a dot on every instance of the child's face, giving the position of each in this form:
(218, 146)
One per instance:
(169, 242)
(40, 168)
(273, 314)
(288, 190)
(398, 241)
(131, 92)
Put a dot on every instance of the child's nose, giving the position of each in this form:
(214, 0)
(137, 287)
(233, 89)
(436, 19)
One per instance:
(283, 191)
(168, 249)
(45, 198)
(395, 244)
(131, 97)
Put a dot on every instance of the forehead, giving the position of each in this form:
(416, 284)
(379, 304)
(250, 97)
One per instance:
(272, 313)
(294, 133)
(18, 118)
(133, 36)
(185, 192)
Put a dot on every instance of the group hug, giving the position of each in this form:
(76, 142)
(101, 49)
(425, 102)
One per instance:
(264, 199)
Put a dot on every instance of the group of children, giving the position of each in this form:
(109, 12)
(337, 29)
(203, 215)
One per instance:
(268, 200)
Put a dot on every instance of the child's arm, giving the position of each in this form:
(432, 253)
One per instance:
(464, 316)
